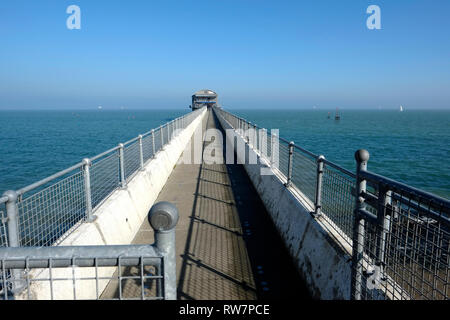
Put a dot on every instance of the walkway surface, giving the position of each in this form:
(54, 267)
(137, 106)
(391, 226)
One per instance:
(226, 244)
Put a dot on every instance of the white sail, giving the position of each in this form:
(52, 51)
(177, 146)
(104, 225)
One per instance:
(401, 108)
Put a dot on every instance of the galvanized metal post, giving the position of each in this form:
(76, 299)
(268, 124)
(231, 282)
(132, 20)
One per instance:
(249, 137)
(123, 181)
(361, 157)
(273, 151)
(141, 152)
(256, 137)
(291, 158)
(163, 218)
(263, 142)
(17, 281)
(153, 143)
(246, 133)
(162, 140)
(87, 189)
(318, 202)
(384, 212)
(168, 132)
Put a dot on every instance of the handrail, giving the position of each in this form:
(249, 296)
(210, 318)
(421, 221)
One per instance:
(48, 179)
(39, 183)
(389, 225)
(70, 196)
(413, 193)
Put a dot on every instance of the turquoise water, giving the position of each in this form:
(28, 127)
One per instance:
(412, 147)
(36, 144)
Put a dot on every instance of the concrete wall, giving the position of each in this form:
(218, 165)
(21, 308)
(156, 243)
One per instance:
(118, 220)
(322, 257)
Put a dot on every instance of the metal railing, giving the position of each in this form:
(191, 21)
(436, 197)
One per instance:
(401, 240)
(43, 213)
(326, 186)
(83, 272)
(399, 235)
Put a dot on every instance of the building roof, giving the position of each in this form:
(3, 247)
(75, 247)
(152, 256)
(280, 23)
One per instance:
(205, 92)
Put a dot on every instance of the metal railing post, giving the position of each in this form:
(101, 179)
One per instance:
(272, 148)
(12, 217)
(87, 189)
(256, 137)
(291, 158)
(361, 157)
(249, 137)
(141, 152)
(18, 283)
(163, 218)
(153, 143)
(318, 202)
(162, 139)
(168, 132)
(123, 181)
(263, 142)
(384, 212)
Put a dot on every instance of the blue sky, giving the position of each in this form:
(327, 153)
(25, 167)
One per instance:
(267, 54)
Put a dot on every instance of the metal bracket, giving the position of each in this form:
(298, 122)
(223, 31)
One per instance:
(375, 277)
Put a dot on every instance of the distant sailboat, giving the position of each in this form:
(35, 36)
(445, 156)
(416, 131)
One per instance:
(401, 108)
(337, 116)
(328, 115)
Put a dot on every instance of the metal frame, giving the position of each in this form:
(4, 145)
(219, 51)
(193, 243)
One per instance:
(17, 262)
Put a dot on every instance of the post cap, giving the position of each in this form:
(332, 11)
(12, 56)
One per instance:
(86, 162)
(291, 143)
(120, 145)
(362, 155)
(140, 136)
(163, 216)
(321, 157)
(11, 195)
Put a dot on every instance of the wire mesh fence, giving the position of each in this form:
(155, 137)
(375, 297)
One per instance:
(47, 215)
(338, 199)
(87, 277)
(3, 223)
(404, 242)
(304, 173)
(148, 146)
(406, 238)
(49, 209)
(105, 178)
(132, 159)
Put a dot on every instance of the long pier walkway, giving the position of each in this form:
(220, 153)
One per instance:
(226, 245)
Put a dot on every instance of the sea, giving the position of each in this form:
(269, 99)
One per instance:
(412, 146)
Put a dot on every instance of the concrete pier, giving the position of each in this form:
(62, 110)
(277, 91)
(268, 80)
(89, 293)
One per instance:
(226, 244)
